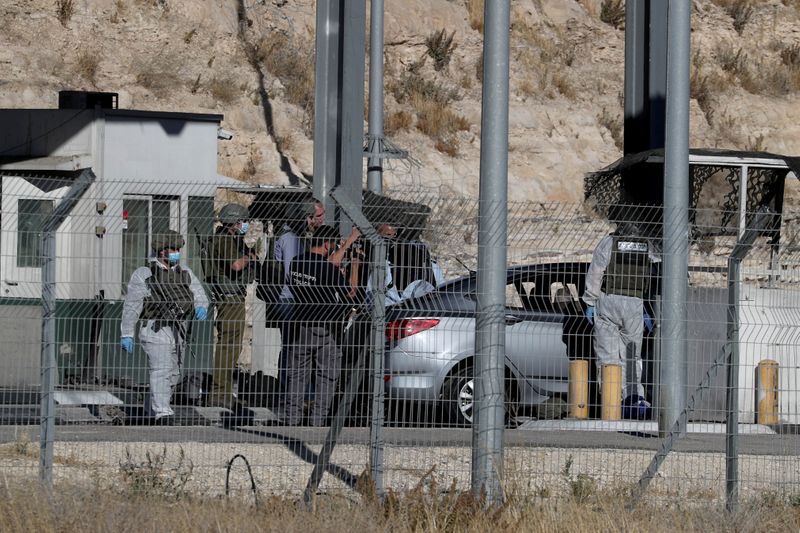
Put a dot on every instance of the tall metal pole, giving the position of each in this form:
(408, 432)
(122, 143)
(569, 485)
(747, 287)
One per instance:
(676, 218)
(49, 370)
(635, 107)
(375, 128)
(489, 410)
(326, 96)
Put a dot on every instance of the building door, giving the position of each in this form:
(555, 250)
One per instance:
(144, 216)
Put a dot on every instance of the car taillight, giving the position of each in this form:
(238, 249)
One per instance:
(399, 329)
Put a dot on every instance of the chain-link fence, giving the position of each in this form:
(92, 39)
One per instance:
(164, 332)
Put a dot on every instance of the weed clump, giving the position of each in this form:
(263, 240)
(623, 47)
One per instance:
(155, 477)
(440, 48)
(612, 12)
(64, 11)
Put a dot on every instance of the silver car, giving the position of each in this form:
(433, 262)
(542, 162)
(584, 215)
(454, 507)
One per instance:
(430, 351)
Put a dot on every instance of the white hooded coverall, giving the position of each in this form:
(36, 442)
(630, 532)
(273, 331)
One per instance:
(618, 323)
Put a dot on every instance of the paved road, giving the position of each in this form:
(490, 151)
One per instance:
(759, 444)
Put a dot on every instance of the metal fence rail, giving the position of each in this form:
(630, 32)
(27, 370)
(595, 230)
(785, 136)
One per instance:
(410, 365)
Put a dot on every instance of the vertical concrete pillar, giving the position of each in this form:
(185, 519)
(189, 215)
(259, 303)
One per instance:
(579, 389)
(611, 408)
(767, 392)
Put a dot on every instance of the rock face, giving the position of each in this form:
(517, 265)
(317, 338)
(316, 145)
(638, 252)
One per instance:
(253, 62)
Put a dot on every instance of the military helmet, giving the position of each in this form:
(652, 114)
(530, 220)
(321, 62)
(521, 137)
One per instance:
(168, 239)
(233, 213)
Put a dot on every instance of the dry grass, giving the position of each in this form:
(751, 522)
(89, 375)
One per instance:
(440, 123)
(774, 76)
(741, 11)
(613, 123)
(159, 74)
(397, 121)
(475, 14)
(119, 11)
(224, 90)
(64, 11)
(289, 62)
(86, 66)
(440, 47)
(428, 507)
(700, 87)
(612, 12)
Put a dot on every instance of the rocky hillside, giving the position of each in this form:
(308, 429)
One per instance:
(251, 61)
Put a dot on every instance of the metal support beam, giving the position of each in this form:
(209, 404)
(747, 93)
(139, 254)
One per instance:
(489, 411)
(339, 101)
(49, 369)
(375, 130)
(676, 220)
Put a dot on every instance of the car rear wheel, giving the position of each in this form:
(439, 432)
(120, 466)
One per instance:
(458, 398)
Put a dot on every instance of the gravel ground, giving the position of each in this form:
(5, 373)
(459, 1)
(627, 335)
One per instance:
(277, 469)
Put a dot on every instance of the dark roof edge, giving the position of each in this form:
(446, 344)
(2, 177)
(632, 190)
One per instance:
(632, 159)
(135, 113)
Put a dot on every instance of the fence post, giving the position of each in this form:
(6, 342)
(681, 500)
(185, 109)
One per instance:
(676, 219)
(48, 357)
(489, 412)
(375, 126)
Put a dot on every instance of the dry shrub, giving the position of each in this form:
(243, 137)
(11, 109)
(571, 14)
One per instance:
(430, 506)
(740, 11)
(440, 123)
(612, 12)
(440, 47)
(289, 62)
(397, 121)
(790, 55)
(64, 11)
(475, 14)
(563, 86)
(527, 88)
(413, 84)
(613, 123)
(223, 90)
(284, 143)
(700, 87)
(734, 62)
(158, 75)
(86, 66)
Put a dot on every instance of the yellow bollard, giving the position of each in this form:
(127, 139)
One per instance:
(611, 408)
(579, 389)
(767, 392)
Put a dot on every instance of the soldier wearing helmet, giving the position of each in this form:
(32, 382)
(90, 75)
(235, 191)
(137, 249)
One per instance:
(233, 267)
(164, 295)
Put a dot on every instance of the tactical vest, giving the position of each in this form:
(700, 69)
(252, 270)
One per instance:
(171, 298)
(628, 272)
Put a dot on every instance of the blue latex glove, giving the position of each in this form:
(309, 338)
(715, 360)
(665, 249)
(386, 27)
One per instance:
(590, 314)
(200, 313)
(648, 322)
(127, 344)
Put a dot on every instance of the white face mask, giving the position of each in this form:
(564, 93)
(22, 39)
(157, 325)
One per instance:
(243, 227)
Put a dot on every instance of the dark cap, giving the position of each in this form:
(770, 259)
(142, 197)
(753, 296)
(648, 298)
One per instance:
(168, 239)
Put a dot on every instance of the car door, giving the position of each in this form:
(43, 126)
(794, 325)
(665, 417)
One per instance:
(534, 344)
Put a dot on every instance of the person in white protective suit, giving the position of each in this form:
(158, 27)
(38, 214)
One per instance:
(160, 301)
(617, 282)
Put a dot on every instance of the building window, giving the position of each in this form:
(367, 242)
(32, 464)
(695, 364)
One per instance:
(32, 216)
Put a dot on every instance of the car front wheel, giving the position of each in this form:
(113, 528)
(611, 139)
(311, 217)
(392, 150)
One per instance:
(458, 398)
